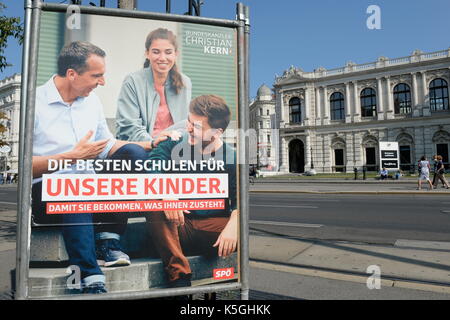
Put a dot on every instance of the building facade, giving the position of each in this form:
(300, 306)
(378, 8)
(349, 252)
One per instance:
(263, 121)
(333, 120)
(10, 107)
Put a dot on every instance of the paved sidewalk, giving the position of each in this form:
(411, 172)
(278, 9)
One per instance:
(7, 250)
(418, 265)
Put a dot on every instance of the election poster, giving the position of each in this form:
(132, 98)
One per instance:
(134, 157)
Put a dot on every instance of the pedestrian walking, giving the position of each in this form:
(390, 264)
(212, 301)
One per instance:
(424, 170)
(435, 178)
(440, 173)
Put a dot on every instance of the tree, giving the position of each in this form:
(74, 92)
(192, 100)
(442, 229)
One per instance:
(9, 27)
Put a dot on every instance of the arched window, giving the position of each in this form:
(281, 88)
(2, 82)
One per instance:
(295, 111)
(368, 103)
(438, 95)
(402, 99)
(337, 106)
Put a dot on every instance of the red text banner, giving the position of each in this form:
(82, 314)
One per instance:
(88, 187)
(134, 206)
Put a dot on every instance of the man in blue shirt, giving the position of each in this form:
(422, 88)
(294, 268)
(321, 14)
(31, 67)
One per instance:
(179, 233)
(70, 125)
(384, 174)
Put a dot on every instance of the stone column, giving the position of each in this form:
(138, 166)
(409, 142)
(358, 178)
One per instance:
(380, 102)
(419, 143)
(428, 142)
(327, 153)
(318, 107)
(326, 107)
(283, 109)
(308, 151)
(307, 108)
(358, 150)
(415, 96)
(425, 96)
(284, 155)
(349, 163)
(348, 110)
(390, 100)
(356, 103)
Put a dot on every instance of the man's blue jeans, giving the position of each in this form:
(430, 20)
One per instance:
(78, 234)
(78, 230)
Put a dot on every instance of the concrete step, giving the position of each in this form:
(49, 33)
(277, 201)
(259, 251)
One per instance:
(47, 243)
(141, 275)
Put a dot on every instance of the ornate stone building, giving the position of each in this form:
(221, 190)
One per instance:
(263, 120)
(10, 106)
(333, 120)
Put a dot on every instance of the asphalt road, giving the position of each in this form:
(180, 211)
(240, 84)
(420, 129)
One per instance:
(8, 197)
(362, 218)
(356, 218)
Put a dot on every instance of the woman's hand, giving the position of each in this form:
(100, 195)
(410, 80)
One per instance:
(174, 135)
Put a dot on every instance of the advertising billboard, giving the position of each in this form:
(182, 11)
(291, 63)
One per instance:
(135, 173)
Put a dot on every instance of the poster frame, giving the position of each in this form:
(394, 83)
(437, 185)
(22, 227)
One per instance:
(33, 11)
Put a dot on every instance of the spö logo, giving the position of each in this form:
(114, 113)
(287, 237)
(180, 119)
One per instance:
(222, 274)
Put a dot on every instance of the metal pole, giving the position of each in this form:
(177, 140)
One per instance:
(243, 148)
(168, 6)
(190, 4)
(32, 8)
(56, 7)
(157, 293)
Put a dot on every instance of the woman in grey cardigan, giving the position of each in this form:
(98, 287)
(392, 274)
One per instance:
(155, 97)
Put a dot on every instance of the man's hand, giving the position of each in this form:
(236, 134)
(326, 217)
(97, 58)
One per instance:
(83, 150)
(174, 135)
(88, 150)
(176, 216)
(227, 240)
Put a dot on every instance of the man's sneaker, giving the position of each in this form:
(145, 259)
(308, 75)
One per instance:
(94, 288)
(109, 254)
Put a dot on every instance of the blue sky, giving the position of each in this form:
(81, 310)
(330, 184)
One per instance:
(309, 34)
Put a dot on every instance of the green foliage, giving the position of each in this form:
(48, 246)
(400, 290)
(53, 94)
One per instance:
(9, 27)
